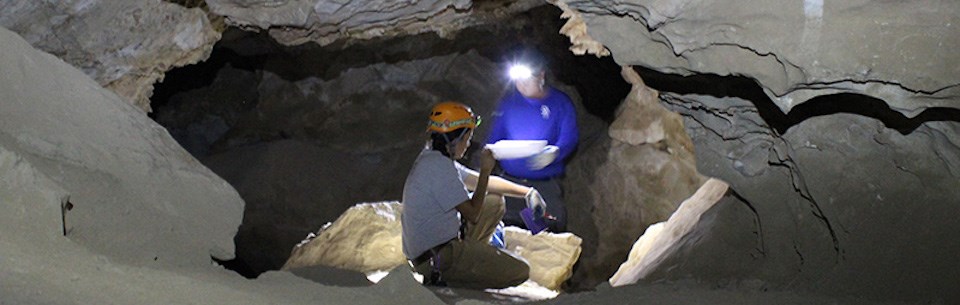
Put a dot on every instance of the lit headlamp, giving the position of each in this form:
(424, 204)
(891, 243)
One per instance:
(520, 72)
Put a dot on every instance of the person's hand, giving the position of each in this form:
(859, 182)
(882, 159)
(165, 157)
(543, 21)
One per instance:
(535, 202)
(486, 160)
(544, 158)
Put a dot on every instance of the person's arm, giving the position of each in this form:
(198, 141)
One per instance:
(569, 134)
(497, 131)
(470, 209)
(497, 185)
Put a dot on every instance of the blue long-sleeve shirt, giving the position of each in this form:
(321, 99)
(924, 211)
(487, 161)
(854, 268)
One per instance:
(552, 118)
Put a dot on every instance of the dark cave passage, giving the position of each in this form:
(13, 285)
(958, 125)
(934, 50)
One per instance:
(234, 110)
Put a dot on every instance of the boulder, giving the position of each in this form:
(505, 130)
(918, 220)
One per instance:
(120, 170)
(367, 238)
(551, 255)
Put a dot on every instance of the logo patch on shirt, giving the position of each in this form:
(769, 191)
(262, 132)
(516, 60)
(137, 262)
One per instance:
(545, 112)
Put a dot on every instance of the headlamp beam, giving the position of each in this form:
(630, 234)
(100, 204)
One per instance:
(520, 72)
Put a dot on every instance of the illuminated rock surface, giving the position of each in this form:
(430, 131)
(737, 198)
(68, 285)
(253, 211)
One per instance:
(126, 46)
(366, 238)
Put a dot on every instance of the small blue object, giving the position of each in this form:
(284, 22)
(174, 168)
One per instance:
(496, 239)
(534, 224)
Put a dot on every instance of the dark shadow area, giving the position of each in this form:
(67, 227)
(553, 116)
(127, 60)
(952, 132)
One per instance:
(205, 103)
(200, 75)
(748, 89)
(238, 266)
(870, 107)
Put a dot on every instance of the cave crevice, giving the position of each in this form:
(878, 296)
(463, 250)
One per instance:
(746, 88)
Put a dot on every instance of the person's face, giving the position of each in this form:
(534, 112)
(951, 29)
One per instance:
(461, 148)
(531, 87)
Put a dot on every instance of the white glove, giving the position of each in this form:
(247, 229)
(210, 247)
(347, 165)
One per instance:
(535, 202)
(544, 158)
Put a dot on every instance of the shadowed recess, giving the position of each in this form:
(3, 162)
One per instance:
(748, 89)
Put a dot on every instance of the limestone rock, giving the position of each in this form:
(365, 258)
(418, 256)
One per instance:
(632, 178)
(323, 21)
(900, 52)
(643, 119)
(660, 240)
(814, 203)
(576, 29)
(126, 46)
(31, 203)
(120, 170)
(551, 256)
(365, 238)
(400, 285)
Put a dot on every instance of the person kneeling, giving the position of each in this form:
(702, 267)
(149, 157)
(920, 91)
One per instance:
(446, 230)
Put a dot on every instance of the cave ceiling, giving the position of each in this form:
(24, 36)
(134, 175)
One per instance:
(324, 22)
(899, 51)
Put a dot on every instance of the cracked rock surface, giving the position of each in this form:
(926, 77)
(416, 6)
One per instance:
(899, 51)
(324, 22)
(126, 46)
(842, 153)
(838, 203)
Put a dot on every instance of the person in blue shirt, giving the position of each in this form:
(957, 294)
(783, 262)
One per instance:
(532, 110)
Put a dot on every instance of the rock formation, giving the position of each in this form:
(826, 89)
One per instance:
(815, 202)
(551, 256)
(146, 217)
(126, 46)
(324, 22)
(118, 169)
(823, 135)
(835, 124)
(660, 240)
(894, 51)
(367, 238)
(631, 177)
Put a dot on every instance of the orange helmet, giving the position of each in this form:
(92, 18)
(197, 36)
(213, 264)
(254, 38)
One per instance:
(449, 116)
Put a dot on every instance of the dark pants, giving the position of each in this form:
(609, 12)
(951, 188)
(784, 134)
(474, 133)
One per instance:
(552, 193)
(471, 262)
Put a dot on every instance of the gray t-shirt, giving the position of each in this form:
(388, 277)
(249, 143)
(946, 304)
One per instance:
(433, 189)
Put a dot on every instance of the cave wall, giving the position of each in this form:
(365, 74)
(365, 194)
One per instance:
(840, 203)
(119, 169)
(325, 22)
(284, 123)
(843, 154)
(126, 46)
(301, 150)
(900, 52)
